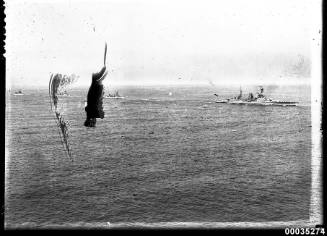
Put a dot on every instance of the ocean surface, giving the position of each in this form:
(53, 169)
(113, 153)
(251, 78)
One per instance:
(161, 154)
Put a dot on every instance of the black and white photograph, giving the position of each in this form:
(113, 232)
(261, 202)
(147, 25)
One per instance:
(163, 114)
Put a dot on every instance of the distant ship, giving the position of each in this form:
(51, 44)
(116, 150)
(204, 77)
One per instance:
(258, 99)
(19, 92)
(115, 95)
(63, 94)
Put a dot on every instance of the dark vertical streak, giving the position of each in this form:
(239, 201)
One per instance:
(105, 55)
(323, 122)
(54, 83)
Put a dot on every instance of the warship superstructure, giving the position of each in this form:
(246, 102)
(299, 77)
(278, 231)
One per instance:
(258, 99)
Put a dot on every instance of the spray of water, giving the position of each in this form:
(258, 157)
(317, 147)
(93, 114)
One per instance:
(57, 86)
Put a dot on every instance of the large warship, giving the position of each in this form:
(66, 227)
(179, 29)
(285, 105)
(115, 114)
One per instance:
(258, 99)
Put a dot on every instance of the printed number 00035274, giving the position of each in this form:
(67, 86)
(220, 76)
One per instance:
(304, 231)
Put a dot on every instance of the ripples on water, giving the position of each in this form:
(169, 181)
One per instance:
(159, 158)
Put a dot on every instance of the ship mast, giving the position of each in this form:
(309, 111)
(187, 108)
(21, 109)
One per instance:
(240, 95)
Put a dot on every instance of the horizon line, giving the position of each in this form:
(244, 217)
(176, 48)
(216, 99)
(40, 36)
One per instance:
(203, 83)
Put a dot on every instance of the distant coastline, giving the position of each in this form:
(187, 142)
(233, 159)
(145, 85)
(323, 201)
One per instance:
(147, 84)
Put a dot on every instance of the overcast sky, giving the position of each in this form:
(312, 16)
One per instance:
(170, 41)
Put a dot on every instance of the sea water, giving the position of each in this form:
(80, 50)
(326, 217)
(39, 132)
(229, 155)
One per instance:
(161, 154)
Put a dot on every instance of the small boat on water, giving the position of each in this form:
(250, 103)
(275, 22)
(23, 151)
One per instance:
(18, 93)
(115, 95)
(258, 99)
(63, 94)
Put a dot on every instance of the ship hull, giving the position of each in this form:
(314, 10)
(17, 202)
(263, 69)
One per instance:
(260, 103)
(115, 97)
